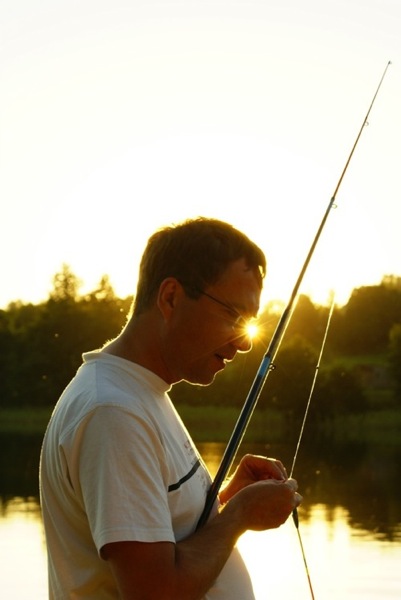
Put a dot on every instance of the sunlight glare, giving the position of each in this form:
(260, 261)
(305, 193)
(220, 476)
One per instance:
(252, 330)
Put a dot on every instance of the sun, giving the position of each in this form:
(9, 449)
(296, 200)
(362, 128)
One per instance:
(251, 330)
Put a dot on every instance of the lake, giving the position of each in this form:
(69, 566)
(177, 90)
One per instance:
(350, 524)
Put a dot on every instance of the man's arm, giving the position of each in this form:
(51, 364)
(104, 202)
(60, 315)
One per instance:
(186, 570)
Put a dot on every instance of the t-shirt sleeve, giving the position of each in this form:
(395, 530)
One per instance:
(121, 474)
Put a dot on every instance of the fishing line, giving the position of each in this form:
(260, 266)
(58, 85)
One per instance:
(304, 556)
(267, 361)
(313, 384)
(295, 511)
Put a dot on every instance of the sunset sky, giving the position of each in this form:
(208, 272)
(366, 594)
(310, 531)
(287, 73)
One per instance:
(117, 117)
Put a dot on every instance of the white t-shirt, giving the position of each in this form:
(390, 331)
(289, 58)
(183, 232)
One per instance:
(118, 464)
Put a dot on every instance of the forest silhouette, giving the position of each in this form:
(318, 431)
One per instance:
(41, 348)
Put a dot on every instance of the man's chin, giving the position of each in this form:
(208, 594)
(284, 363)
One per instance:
(207, 375)
(204, 380)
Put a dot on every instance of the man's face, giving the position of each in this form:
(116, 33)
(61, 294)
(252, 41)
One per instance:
(207, 332)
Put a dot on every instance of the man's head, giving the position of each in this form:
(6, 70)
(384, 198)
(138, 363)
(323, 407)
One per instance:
(196, 252)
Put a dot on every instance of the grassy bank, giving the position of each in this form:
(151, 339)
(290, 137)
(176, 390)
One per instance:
(209, 423)
(24, 420)
(376, 427)
(214, 423)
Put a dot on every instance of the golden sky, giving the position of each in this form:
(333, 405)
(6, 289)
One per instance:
(120, 116)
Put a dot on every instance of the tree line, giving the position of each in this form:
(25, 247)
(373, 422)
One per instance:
(41, 348)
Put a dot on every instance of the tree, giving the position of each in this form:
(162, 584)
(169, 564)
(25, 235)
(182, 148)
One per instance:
(305, 321)
(392, 281)
(104, 291)
(41, 346)
(291, 379)
(368, 317)
(17, 353)
(65, 285)
(337, 391)
(8, 357)
(394, 356)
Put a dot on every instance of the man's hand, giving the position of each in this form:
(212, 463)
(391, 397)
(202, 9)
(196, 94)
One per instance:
(251, 469)
(259, 494)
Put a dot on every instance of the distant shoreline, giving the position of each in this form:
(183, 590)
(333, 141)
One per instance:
(215, 424)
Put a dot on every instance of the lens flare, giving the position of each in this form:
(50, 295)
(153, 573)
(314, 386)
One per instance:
(251, 330)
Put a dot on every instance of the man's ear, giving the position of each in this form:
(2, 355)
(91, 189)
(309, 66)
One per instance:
(170, 292)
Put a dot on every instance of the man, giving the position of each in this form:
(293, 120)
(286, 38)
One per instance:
(122, 484)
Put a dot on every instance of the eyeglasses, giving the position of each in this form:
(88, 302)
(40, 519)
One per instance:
(238, 322)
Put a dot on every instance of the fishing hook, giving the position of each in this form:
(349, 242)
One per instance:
(264, 368)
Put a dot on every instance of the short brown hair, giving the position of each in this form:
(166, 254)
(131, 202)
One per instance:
(196, 252)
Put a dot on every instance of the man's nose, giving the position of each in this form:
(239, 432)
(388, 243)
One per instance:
(243, 342)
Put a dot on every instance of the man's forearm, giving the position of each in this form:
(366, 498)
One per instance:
(200, 558)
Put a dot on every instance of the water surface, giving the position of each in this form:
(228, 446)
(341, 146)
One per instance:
(350, 525)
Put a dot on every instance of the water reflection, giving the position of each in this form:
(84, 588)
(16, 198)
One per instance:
(341, 565)
(350, 522)
(22, 551)
(362, 479)
(19, 466)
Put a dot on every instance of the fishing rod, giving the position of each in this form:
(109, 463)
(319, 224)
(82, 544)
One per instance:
(267, 360)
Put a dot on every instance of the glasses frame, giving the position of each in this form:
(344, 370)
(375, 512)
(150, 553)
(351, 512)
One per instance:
(239, 322)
